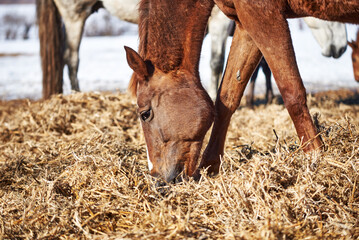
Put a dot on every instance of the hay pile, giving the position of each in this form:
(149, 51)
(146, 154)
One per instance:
(75, 167)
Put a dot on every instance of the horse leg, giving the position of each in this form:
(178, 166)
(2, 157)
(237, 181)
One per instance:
(74, 15)
(74, 29)
(242, 60)
(250, 95)
(268, 74)
(218, 29)
(275, 43)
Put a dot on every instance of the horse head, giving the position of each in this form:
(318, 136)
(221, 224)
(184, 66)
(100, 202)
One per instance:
(175, 113)
(331, 36)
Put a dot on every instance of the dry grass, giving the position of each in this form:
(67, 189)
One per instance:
(75, 167)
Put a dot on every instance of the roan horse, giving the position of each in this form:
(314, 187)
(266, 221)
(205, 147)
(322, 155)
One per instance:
(355, 56)
(175, 110)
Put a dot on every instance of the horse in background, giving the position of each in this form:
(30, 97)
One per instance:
(60, 46)
(269, 90)
(355, 56)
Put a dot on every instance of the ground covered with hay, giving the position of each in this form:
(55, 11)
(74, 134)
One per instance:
(75, 167)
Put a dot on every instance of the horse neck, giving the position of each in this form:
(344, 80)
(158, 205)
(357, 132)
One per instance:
(171, 32)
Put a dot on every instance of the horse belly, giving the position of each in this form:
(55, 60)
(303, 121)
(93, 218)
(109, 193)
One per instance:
(126, 10)
(332, 10)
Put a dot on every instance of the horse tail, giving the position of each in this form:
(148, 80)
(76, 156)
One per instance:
(52, 44)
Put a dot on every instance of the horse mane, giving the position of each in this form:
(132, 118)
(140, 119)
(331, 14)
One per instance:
(132, 86)
(169, 35)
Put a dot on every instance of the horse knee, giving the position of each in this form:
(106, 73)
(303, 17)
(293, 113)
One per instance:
(296, 103)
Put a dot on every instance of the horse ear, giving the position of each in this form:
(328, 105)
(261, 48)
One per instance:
(136, 62)
(353, 44)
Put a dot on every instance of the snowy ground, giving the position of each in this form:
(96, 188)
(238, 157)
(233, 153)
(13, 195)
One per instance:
(103, 65)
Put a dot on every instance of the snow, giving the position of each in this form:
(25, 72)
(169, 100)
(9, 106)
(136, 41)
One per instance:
(103, 65)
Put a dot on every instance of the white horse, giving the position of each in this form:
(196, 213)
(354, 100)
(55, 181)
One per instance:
(75, 12)
(331, 36)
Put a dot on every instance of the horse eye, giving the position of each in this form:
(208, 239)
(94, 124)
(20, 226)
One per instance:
(147, 115)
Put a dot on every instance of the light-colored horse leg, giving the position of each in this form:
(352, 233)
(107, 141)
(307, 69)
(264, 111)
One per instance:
(242, 60)
(74, 31)
(74, 15)
(218, 29)
(275, 43)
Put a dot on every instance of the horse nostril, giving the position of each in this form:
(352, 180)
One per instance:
(339, 53)
(342, 50)
(333, 51)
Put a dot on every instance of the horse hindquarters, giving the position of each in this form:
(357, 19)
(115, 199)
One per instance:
(51, 47)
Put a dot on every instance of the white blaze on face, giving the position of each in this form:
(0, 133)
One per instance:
(150, 165)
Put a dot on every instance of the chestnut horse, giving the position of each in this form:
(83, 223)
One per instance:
(355, 56)
(175, 110)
